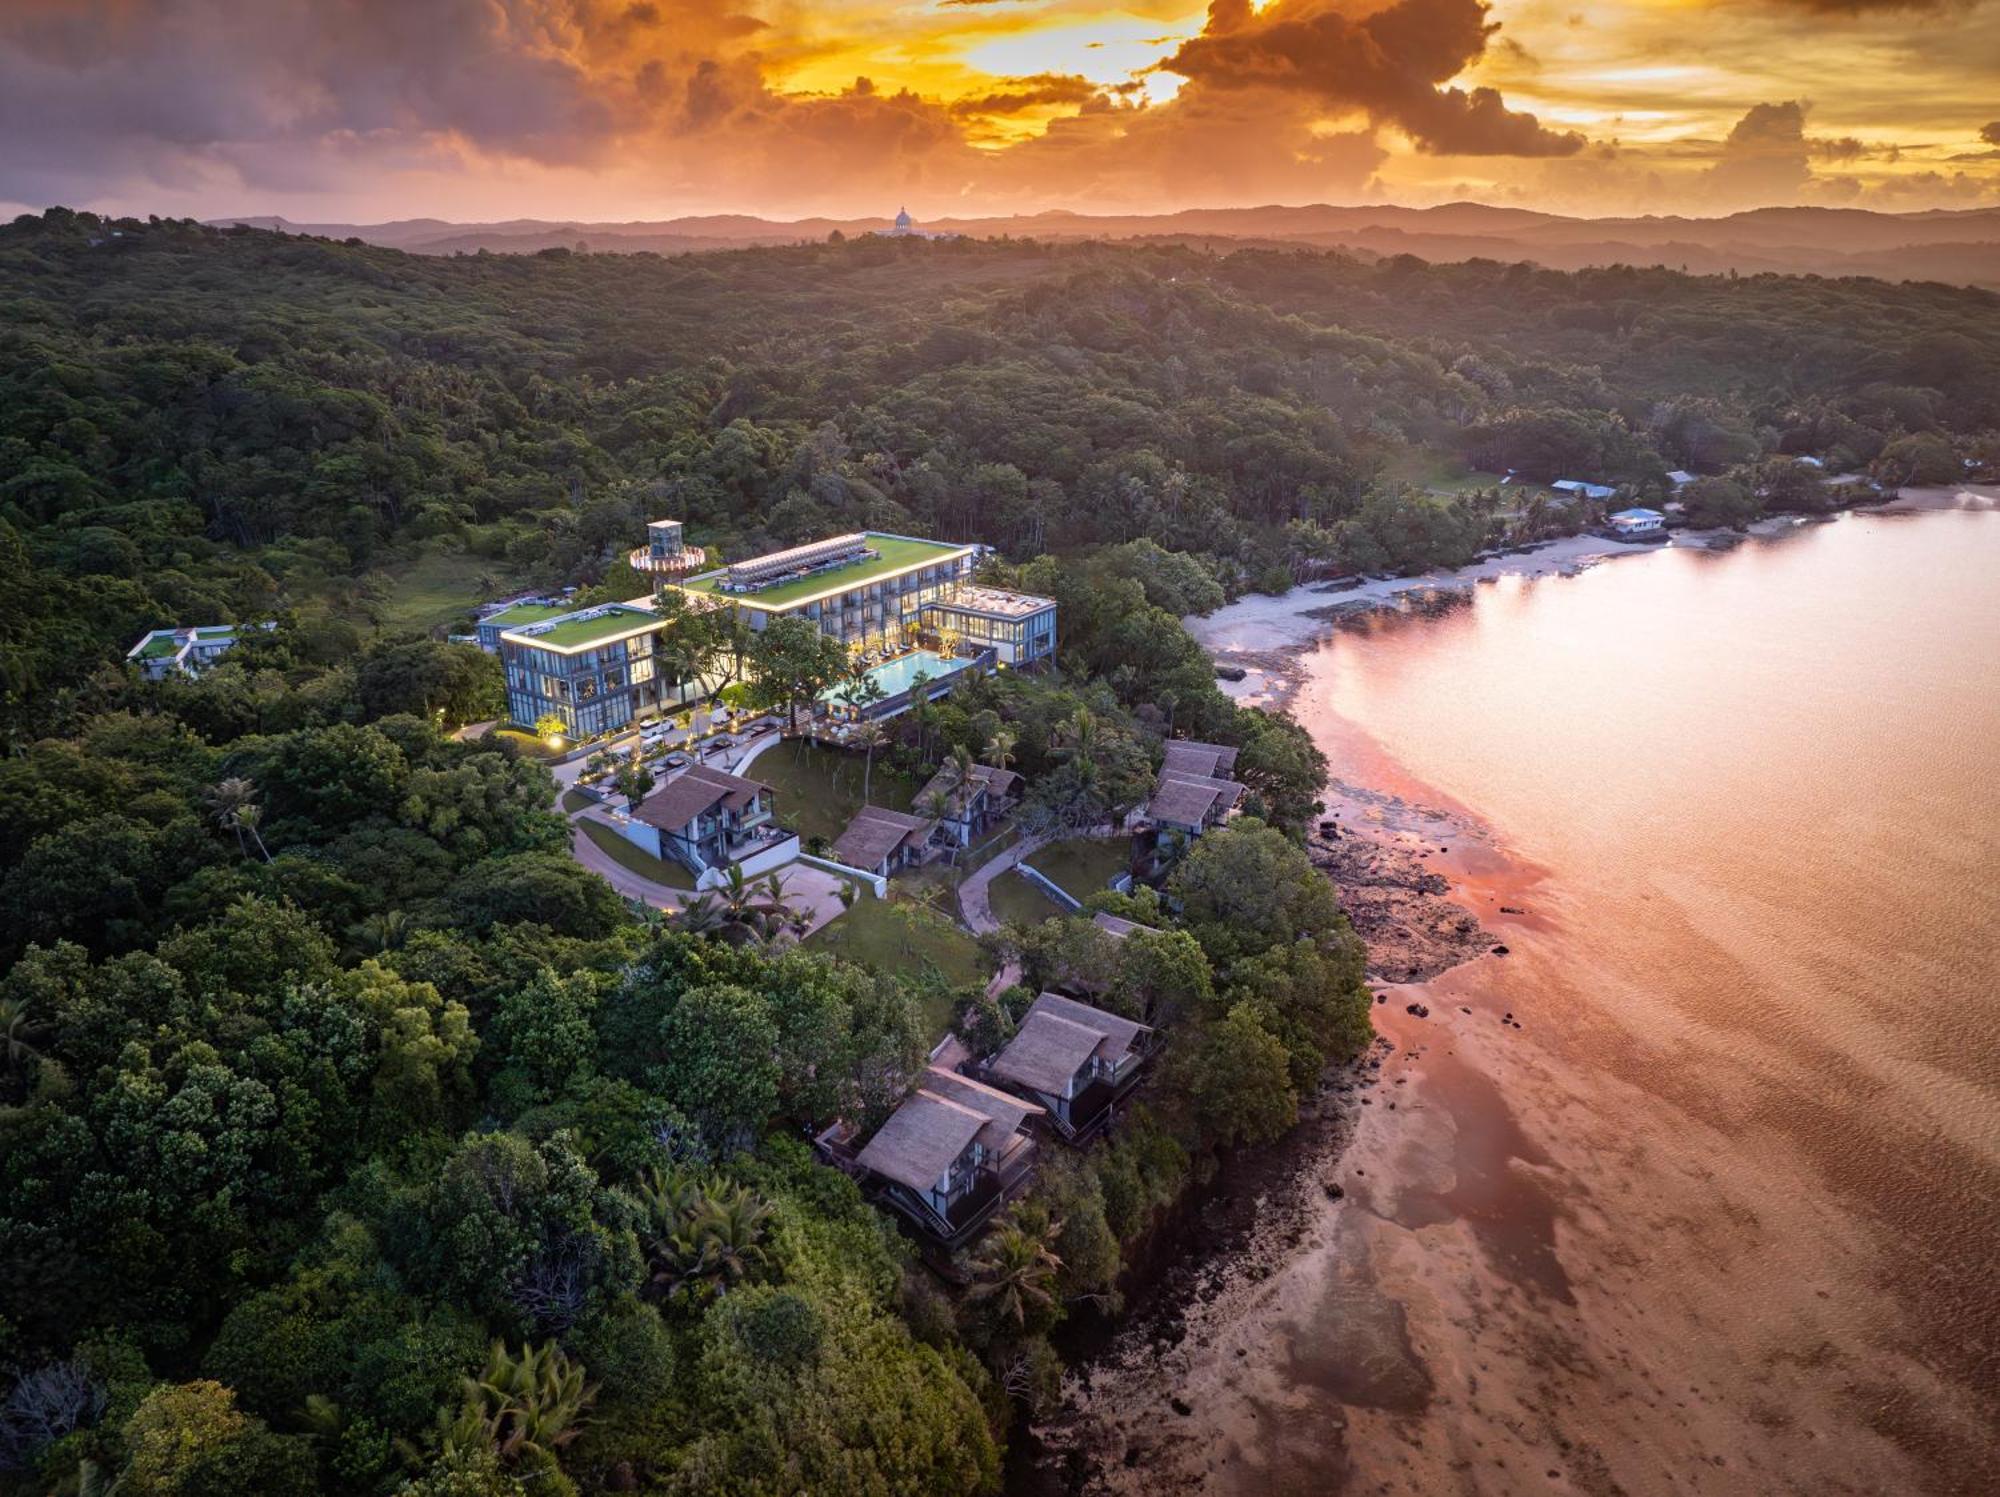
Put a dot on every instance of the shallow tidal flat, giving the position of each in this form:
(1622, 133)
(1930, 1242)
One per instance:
(1695, 1189)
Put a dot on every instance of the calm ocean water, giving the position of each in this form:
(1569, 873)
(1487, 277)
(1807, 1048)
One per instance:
(1764, 789)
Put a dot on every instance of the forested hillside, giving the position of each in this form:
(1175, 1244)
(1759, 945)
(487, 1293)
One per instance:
(198, 425)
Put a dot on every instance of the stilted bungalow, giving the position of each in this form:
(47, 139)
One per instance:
(1075, 1061)
(968, 809)
(946, 1160)
(1195, 792)
(880, 841)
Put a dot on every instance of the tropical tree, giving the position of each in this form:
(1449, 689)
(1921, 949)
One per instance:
(635, 781)
(1000, 747)
(868, 735)
(523, 1408)
(233, 804)
(701, 1239)
(19, 1032)
(1014, 1276)
(1076, 739)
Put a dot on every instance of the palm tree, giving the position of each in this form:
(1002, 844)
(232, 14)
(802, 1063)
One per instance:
(1000, 748)
(385, 930)
(250, 818)
(701, 1240)
(729, 1234)
(232, 803)
(1076, 738)
(920, 710)
(1013, 1274)
(710, 914)
(869, 735)
(528, 1407)
(18, 1033)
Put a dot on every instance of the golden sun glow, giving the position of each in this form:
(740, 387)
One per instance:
(655, 107)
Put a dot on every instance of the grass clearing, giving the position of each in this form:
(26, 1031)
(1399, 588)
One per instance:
(436, 587)
(1436, 472)
(1083, 865)
(1015, 901)
(635, 859)
(819, 788)
(576, 800)
(905, 938)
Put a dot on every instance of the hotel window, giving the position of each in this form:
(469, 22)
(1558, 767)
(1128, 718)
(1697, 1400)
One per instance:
(639, 647)
(586, 688)
(642, 670)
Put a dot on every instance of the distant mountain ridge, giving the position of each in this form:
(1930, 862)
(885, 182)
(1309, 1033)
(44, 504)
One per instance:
(1960, 245)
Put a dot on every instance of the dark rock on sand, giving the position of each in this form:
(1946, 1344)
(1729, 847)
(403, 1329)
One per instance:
(1398, 906)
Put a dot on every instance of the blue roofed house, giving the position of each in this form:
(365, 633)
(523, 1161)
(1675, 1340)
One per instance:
(1637, 524)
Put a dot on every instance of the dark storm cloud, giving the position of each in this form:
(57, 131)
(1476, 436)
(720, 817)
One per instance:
(1392, 65)
(1034, 92)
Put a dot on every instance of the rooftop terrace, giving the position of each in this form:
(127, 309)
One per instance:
(999, 602)
(894, 555)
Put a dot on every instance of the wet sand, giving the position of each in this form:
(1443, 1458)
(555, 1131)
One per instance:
(1537, 1276)
(1595, 1228)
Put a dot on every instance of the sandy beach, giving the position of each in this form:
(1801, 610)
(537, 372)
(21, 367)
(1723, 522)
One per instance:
(1262, 633)
(1555, 1233)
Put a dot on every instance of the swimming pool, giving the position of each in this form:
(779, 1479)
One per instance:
(895, 676)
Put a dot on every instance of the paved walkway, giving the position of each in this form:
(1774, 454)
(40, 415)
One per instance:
(974, 901)
(616, 874)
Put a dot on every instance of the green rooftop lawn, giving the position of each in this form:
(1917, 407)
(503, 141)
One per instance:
(1083, 865)
(635, 859)
(166, 644)
(528, 613)
(819, 788)
(574, 632)
(892, 554)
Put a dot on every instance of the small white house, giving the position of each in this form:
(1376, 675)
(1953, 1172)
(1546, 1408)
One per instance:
(1582, 490)
(1680, 478)
(1638, 522)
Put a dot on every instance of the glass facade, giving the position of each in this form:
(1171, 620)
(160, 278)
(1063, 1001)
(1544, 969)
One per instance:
(1017, 640)
(593, 691)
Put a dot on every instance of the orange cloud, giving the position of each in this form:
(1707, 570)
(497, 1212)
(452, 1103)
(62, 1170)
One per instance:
(654, 107)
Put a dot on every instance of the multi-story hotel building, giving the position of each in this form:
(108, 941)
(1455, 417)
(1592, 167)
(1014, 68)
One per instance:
(893, 595)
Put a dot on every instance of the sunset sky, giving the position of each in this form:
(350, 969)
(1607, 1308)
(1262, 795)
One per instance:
(362, 110)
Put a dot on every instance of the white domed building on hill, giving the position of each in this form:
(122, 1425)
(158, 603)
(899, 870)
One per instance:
(905, 227)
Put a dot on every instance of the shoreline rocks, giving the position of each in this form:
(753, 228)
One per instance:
(1398, 906)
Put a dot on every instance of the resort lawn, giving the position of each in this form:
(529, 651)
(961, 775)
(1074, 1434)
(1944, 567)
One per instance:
(893, 554)
(907, 938)
(1083, 865)
(1015, 901)
(576, 800)
(819, 788)
(635, 859)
